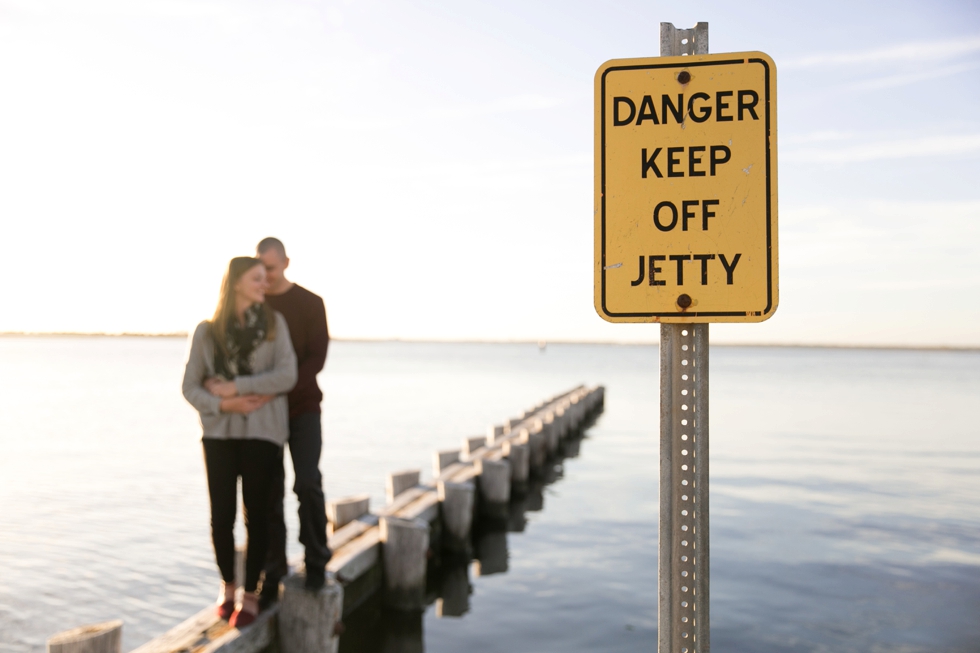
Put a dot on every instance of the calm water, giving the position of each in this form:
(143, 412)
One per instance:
(845, 492)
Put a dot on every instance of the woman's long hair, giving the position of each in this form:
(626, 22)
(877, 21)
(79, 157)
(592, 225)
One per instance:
(225, 312)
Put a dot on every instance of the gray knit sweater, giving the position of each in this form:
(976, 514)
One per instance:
(274, 365)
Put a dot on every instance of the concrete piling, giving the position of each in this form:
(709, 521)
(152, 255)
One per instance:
(308, 620)
(561, 422)
(405, 546)
(98, 638)
(457, 503)
(494, 483)
(538, 448)
(520, 465)
(551, 434)
(571, 449)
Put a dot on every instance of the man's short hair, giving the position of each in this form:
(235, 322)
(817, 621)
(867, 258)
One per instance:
(271, 243)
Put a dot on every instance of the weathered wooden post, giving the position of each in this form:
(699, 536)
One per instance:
(443, 459)
(457, 501)
(495, 432)
(98, 638)
(398, 482)
(470, 445)
(343, 511)
(405, 547)
(308, 620)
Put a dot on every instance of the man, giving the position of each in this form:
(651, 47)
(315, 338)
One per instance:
(307, 320)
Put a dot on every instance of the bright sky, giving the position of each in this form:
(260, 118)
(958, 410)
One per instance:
(429, 164)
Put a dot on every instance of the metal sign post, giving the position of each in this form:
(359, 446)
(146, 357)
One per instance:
(683, 611)
(683, 621)
(685, 234)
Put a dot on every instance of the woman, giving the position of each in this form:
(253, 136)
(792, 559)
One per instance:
(240, 367)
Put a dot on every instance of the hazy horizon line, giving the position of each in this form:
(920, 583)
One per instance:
(627, 343)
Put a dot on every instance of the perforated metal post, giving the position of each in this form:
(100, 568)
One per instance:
(675, 42)
(683, 619)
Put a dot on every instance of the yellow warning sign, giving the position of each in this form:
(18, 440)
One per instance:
(685, 189)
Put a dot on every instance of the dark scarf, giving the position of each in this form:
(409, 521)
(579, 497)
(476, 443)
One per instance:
(234, 359)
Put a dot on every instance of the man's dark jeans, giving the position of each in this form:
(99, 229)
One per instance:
(305, 443)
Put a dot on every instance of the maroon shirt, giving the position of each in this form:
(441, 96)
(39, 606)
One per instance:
(307, 321)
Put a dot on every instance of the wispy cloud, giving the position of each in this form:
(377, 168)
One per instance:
(882, 246)
(920, 51)
(890, 149)
(116, 8)
(445, 112)
(903, 79)
(816, 137)
(521, 103)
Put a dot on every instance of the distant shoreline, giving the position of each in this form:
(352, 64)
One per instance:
(23, 334)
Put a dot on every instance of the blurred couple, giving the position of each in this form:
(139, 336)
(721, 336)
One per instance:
(251, 375)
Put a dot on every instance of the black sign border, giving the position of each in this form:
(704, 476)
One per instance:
(691, 64)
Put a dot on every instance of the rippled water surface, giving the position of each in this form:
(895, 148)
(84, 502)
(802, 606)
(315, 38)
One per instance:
(845, 492)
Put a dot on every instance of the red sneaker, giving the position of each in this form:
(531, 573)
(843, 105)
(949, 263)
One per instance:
(225, 610)
(240, 619)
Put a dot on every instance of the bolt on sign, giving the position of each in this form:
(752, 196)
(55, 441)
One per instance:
(685, 189)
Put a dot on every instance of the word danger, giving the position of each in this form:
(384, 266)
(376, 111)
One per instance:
(726, 106)
(728, 267)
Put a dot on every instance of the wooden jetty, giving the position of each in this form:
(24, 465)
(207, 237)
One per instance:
(388, 551)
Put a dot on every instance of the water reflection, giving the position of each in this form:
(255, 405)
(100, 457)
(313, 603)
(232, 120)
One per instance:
(491, 554)
(402, 632)
(454, 591)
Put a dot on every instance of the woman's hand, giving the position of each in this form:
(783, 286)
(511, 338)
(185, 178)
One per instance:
(245, 405)
(221, 388)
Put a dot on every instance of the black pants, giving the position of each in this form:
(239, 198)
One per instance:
(305, 444)
(255, 461)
